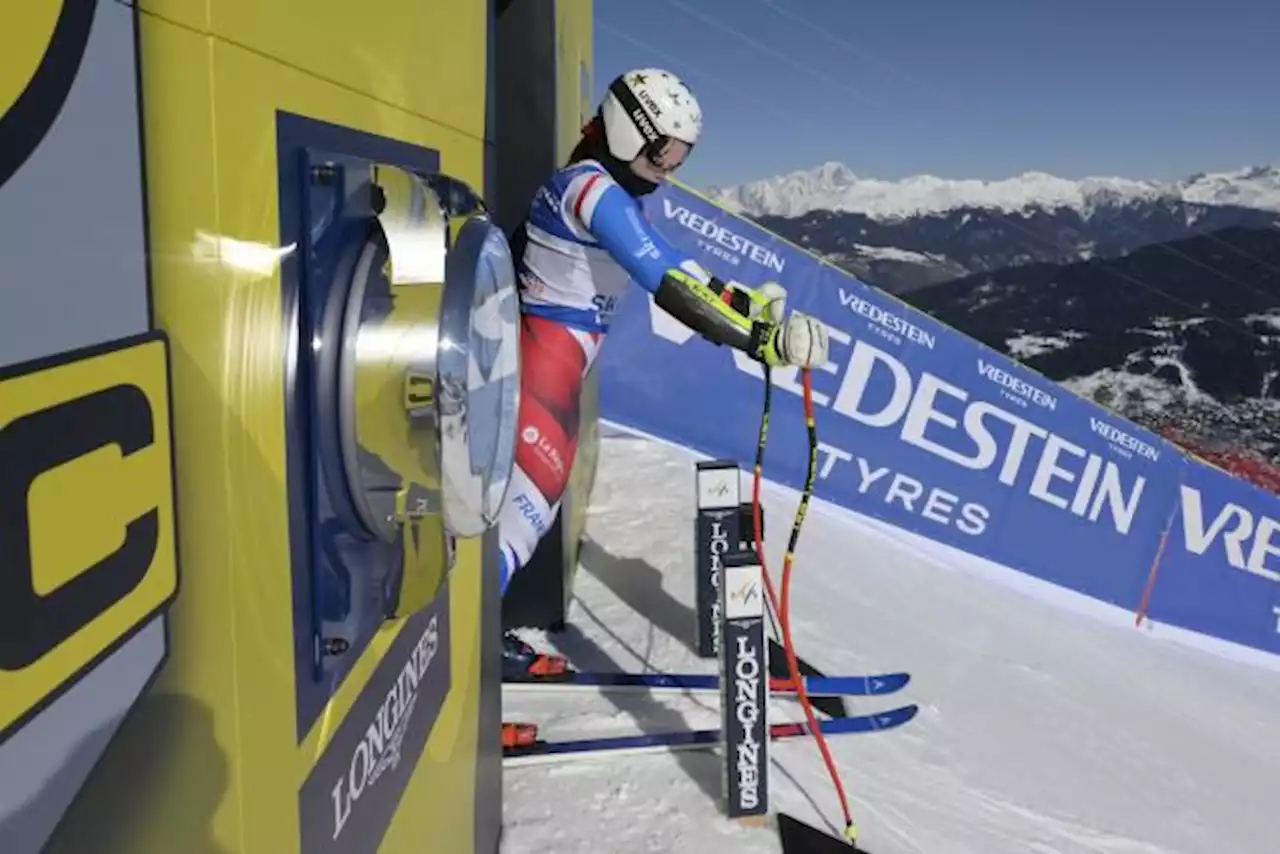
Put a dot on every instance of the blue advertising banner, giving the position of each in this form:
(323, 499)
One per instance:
(1220, 571)
(921, 427)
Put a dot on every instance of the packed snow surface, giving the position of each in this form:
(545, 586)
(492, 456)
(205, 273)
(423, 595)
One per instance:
(1042, 728)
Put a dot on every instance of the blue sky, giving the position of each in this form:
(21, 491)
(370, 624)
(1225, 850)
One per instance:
(979, 89)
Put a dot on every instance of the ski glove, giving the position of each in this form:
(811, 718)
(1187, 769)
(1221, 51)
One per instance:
(770, 300)
(750, 320)
(800, 341)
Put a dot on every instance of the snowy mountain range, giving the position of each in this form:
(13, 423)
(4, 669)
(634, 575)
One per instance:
(923, 230)
(1160, 300)
(837, 188)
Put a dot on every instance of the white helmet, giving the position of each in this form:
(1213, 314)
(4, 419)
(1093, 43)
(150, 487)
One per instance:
(645, 106)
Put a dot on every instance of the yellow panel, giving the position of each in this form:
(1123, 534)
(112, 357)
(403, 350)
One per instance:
(576, 104)
(211, 752)
(193, 14)
(214, 745)
(419, 55)
(24, 44)
(249, 89)
(574, 74)
(178, 747)
(439, 807)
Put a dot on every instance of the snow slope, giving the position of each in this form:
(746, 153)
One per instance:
(1042, 729)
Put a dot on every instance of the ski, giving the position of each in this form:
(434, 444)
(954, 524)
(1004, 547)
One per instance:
(832, 706)
(815, 686)
(698, 739)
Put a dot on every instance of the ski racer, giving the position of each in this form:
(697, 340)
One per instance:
(585, 237)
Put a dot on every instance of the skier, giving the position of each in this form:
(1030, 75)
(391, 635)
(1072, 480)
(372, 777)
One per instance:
(584, 238)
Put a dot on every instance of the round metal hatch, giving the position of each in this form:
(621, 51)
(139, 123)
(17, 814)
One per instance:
(428, 375)
(478, 366)
(386, 332)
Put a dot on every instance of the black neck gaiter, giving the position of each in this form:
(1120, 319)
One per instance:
(592, 146)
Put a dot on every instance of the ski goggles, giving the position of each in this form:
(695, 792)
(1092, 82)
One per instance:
(667, 154)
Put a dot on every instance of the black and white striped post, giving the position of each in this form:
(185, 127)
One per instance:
(731, 610)
(716, 534)
(744, 686)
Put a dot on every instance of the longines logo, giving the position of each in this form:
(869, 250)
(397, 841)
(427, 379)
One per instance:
(350, 796)
(379, 750)
(746, 718)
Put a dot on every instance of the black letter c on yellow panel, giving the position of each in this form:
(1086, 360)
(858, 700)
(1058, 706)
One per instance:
(32, 624)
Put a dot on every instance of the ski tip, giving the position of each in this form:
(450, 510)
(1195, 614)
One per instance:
(874, 722)
(895, 717)
(888, 683)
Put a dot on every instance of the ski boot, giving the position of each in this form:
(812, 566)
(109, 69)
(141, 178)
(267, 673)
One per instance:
(515, 735)
(522, 663)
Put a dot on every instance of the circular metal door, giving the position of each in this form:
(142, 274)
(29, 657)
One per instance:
(479, 376)
(428, 371)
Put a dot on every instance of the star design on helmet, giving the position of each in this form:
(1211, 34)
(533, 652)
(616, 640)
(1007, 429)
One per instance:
(674, 96)
(638, 79)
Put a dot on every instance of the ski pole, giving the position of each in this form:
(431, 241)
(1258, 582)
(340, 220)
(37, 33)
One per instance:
(782, 609)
